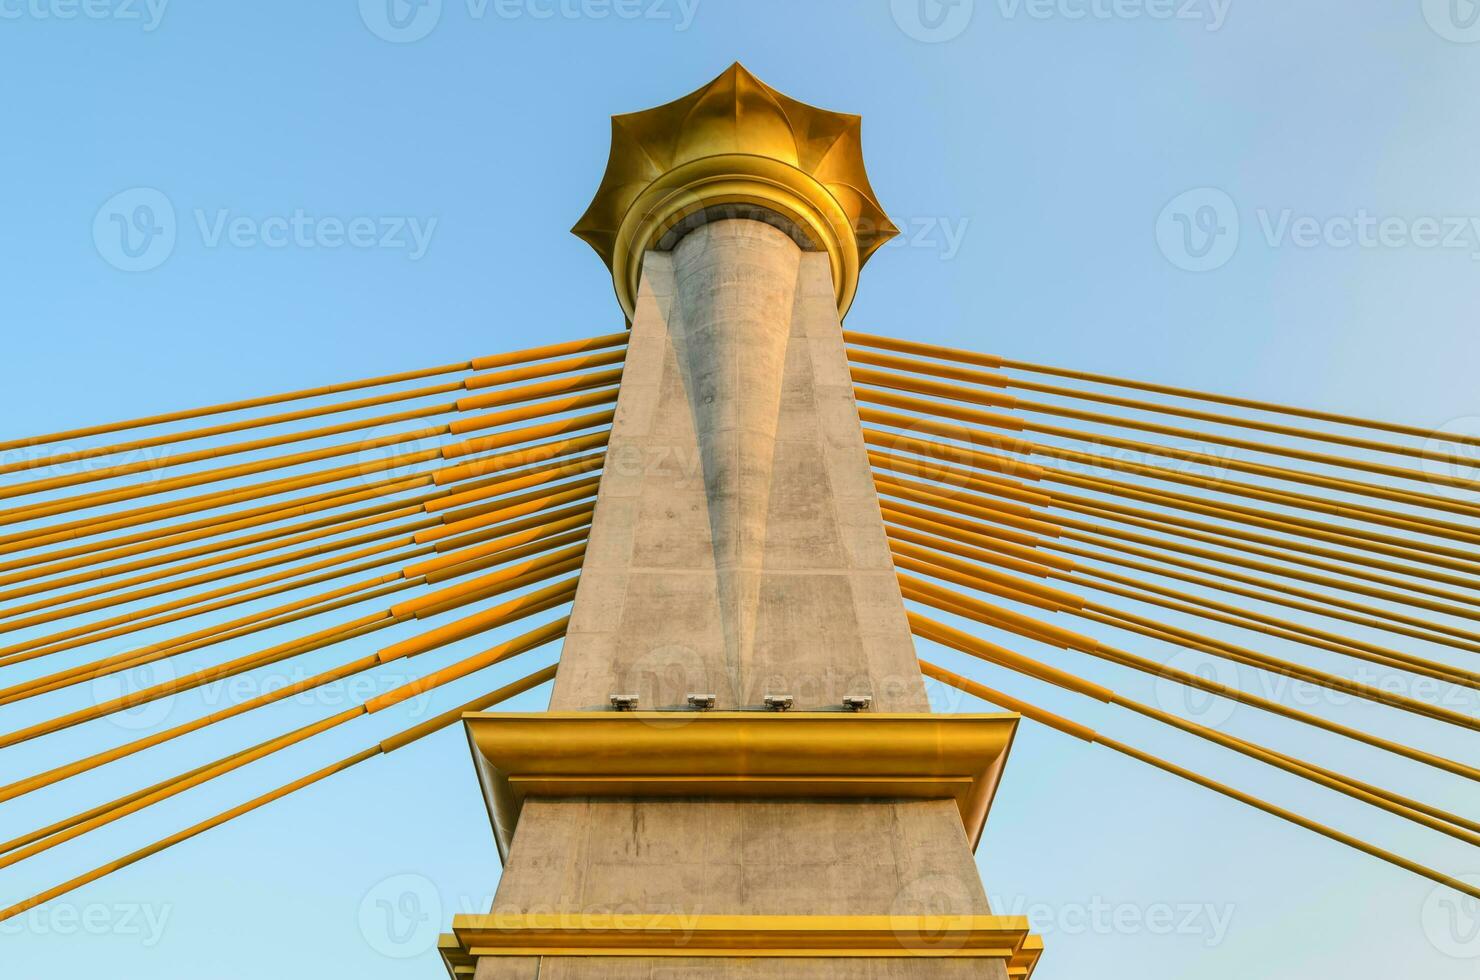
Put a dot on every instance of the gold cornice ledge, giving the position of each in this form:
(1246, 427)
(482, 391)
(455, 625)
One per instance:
(738, 145)
(738, 754)
(996, 937)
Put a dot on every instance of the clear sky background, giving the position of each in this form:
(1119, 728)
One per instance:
(1029, 152)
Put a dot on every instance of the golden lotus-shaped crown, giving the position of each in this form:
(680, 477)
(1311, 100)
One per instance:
(737, 147)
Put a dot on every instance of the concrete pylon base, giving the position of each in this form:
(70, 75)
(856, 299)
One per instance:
(738, 550)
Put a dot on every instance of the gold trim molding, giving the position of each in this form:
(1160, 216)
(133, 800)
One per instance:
(1003, 938)
(738, 754)
(736, 143)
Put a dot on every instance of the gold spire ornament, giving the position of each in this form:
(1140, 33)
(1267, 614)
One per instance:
(735, 147)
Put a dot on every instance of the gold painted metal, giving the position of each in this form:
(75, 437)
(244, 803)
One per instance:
(1029, 711)
(1021, 966)
(552, 350)
(1435, 818)
(991, 361)
(433, 724)
(478, 364)
(1111, 541)
(735, 144)
(880, 396)
(460, 964)
(1004, 381)
(1197, 604)
(1353, 512)
(997, 937)
(996, 617)
(738, 754)
(544, 370)
(1005, 586)
(1105, 515)
(1371, 544)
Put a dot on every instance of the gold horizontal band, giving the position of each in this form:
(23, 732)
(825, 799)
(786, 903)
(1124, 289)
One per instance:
(1003, 938)
(735, 179)
(738, 754)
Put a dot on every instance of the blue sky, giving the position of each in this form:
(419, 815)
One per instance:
(1271, 199)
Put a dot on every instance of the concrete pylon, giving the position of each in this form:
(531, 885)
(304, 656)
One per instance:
(738, 551)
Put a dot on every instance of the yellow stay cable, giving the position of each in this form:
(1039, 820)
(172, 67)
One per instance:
(387, 745)
(1216, 463)
(991, 361)
(1434, 818)
(970, 607)
(1111, 538)
(912, 543)
(1079, 731)
(993, 399)
(1294, 526)
(14, 851)
(480, 364)
(1324, 605)
(1003, 381)
(1410, 523)
(941, 567)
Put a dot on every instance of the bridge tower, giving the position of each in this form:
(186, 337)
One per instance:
(739, 774)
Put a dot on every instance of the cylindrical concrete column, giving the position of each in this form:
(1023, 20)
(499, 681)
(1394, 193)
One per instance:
(735, 288)
(738, 550)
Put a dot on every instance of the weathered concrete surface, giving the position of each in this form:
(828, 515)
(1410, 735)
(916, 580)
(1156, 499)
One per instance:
(738, 550)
